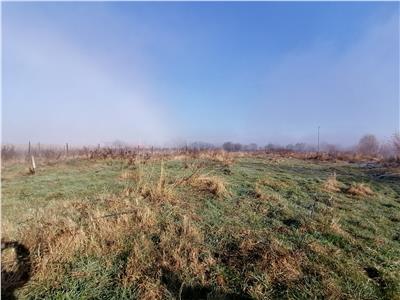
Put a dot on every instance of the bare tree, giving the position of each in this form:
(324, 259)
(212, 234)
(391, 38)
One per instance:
(252, 147)
(299, 147)
(270, 147)
(231, 147)
(8, 152)
(368, 145)
(396, 143)
(387, 150)
(330, 148)
(228, 146)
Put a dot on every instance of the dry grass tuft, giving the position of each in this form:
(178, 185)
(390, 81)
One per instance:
(156, 192)
(141, 257)
(55, 240)
(270, 257)
(273, 183)
(151, 289)
(318, 248)
(332, 184)
(184, 251)
(360, 189)
(222, 157)
(337, 228)
(177, 248)
(133, 175)
(281, 264)
(213, 184)
(259, 193)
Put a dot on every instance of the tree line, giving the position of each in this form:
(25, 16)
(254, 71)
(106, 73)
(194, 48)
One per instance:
(368, 145)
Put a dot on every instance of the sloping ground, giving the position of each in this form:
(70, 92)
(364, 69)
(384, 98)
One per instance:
(204, 228)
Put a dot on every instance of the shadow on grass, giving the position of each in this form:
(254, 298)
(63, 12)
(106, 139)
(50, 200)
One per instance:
(20, 275)
(196, 292)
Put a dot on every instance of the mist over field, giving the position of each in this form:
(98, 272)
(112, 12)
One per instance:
(165, 74)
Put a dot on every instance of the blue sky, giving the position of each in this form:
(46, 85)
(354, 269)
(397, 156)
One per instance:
(262, 72)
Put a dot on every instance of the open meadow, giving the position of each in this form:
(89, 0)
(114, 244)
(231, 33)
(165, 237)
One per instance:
(206, 225)
(215, 150)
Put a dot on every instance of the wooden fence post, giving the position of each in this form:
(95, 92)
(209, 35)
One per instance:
(32, 169)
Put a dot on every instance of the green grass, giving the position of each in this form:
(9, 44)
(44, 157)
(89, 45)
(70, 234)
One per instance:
(278, 235)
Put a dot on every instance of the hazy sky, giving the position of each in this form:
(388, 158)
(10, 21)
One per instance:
(86, 73)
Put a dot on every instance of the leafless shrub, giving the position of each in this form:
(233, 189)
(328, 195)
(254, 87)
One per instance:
(51, 154)
(8, 152)
(387, 150)
(396, 143)
(368, 145)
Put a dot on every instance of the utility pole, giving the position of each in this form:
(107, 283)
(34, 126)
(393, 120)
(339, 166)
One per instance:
(318, 139)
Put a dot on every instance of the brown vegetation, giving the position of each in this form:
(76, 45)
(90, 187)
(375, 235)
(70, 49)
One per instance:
(154, 246)
(164, 240)
(213, 184)
(360, 189)
(273, 183)
(331, 184)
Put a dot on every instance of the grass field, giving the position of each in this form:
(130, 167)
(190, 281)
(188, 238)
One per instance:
(205, 227)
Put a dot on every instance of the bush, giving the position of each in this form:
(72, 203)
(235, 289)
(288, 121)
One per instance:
(368, 145)
(8, 152)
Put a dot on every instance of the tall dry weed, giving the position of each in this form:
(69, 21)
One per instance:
(332, 184)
